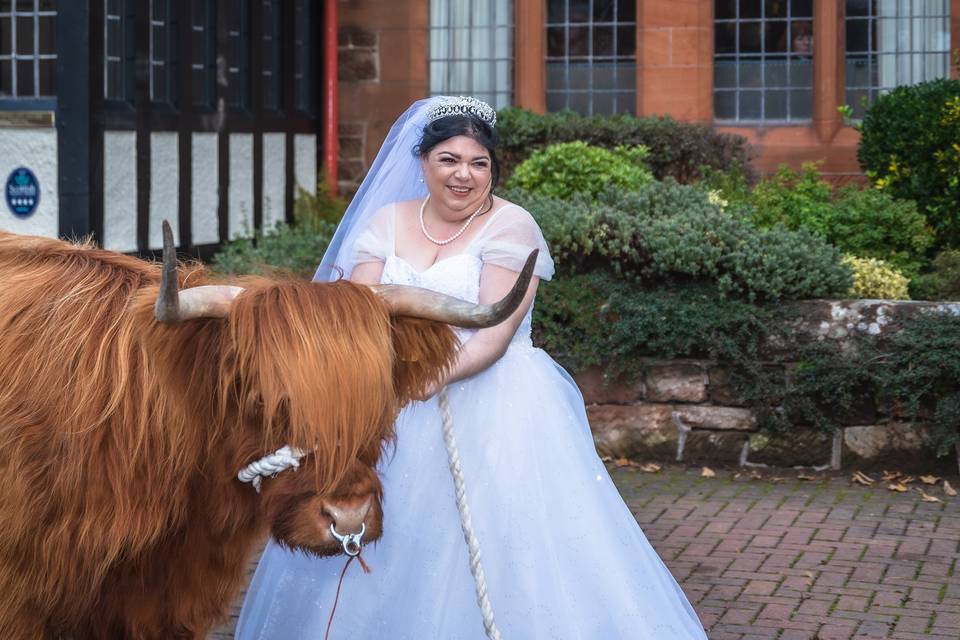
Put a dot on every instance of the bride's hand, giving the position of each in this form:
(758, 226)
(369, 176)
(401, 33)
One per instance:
(429, 391)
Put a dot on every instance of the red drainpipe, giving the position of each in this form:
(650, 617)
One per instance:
(330, 94)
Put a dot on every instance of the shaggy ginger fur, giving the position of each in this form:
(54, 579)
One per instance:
(120, 438)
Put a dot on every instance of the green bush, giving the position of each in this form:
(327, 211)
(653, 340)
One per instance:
(943, 282)
(876, 280)
(678, 150)
(562, 170)
(672, 233)
(910, 148)
(864, 222)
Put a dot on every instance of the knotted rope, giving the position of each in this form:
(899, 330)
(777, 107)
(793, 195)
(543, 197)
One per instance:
(280, 460)
(473, 545)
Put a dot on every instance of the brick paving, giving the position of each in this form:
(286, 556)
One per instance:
(775, 557)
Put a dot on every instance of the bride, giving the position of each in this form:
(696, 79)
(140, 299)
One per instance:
(563, 555)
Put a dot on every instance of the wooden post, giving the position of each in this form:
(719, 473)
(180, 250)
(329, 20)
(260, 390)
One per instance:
(530, 55)
(828, 70)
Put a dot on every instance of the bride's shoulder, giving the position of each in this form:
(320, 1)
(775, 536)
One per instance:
(511, 214)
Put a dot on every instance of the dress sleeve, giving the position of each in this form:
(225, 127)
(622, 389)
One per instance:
(375, 242)
(510, 238)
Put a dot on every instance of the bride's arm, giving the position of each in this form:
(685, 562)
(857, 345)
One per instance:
(367, 273)
(486, 346)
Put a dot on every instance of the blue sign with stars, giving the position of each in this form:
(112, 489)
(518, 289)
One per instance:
(22, 192)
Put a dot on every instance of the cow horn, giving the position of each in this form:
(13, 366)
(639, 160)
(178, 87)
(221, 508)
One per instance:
(431, 305)
(173, 306)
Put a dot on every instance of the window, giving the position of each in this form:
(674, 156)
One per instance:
(302, 67)
(591, 56)
(894, 42)
(28, 58)
(238, 56)
(763, 60)
(272, 80)
(203, 68)
(163, 51)
(471, 49)
(118, 79)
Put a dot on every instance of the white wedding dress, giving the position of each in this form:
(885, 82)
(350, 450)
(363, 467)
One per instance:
(563, 556)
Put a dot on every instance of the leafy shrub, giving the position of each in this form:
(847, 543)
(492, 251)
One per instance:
(679, 150)
(910, 148)
(876, 280)
(943, 282)
(561, 170)
(672, 233)
(863, 222)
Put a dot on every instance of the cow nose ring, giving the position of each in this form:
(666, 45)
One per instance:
(352, 542)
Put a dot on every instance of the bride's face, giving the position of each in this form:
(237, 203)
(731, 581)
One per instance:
(458, 174)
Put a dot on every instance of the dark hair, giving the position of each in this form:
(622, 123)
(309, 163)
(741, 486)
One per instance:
(448, 127)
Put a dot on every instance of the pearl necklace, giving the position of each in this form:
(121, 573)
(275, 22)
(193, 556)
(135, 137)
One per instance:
(459, 233)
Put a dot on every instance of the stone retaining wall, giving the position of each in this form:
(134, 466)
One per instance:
(688, 411)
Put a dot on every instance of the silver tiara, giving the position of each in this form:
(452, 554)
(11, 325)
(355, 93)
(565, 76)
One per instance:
(463, 106)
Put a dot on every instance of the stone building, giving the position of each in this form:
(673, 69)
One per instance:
(774, 71)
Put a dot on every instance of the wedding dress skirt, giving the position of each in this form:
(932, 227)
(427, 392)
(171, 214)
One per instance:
(564, 558)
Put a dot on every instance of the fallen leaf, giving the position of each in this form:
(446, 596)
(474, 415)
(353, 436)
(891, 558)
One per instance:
(776, 479)
(907, 479)
(622, 462)
(929, 479)
(929, 498)
(890, 475)
(899, 487)
(651, 467)
(861, 478)
(947, 489)
(708, 473)
(606, 459)
(737, 475)
(804, 476)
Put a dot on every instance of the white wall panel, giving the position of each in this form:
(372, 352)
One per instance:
(35, 149)
(305, 161)
(204, 190)
(120, 190)
(240, 194)
(164, 185)
(274, 179)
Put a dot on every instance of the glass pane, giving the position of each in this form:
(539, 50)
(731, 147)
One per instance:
(626, 10)
(725, 73)
(626, 41)
(801, 8)
(556, 10)
(801, 104)
(579, 40)
(556, 41)
(858, 99)
(48, 35)
(775, 73)
(25, 78)
(579, 102)
(48, 77)
(603, 103)
(25, 36)
(6, 79)
(801, 73)
(603, 41)
(603, 10)
(556, 101)
(775, 37)
(775, 9)
(857, 35)
(751, 73)
(603, 76)
(750, 41)
(776, 105)
(751, 105)
(579, 10)
(580, 76)
(725, 37)
(725, 105)
(6, 43)
(858, 8)
(626, 103)
(556, 75)
(861, 71)
(725, 9)
(750, 8)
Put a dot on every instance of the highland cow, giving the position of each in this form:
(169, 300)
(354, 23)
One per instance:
(130, 396)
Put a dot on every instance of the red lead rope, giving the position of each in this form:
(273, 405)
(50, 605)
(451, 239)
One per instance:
(336, 598)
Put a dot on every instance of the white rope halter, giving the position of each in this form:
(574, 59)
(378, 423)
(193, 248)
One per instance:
(479, 579)
(268, 466)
